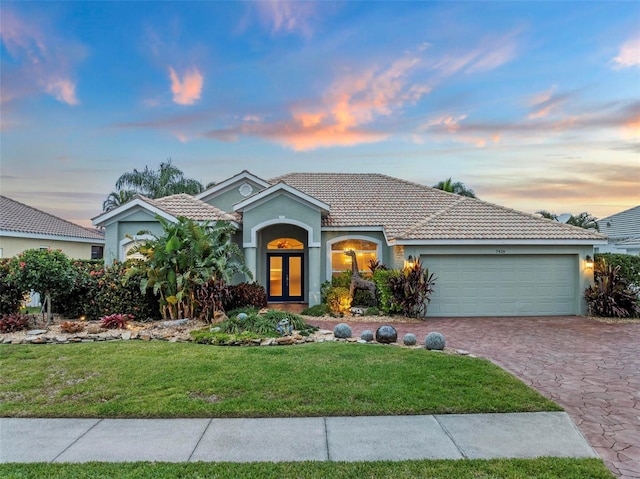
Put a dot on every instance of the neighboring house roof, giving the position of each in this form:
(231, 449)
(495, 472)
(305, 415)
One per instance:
(412, 212)
(18, 219)
(190, 207)
(171, 207)
(625, 224)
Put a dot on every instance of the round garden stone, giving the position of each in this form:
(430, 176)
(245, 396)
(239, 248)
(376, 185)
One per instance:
(435, 341)
(342, 331)
(409, 339)
(386, 334)
(242, 316)
(366, 335)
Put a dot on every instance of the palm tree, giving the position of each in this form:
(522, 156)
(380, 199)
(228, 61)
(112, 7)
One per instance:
(455, 187)
(168, 180)
(584, 220)
(186, 256)
(548, 215)
(117, 198)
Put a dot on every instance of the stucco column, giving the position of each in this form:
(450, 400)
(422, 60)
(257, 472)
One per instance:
(314, 275)
(250, 261)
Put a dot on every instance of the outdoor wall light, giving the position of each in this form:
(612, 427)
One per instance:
(410, 262)
(588, 262)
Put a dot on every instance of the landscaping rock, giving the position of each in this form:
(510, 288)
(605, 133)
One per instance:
(409, 339)
(434, 341)
(36, 332)
(126, 335)
(366, 335)
(342, 331)
(386, 334)
(173, 323)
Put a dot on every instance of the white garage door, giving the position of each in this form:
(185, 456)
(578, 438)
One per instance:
(488, 285)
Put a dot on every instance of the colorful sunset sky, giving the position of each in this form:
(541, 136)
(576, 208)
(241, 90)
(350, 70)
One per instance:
(534, 105)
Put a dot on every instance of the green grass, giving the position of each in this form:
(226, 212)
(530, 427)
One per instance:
(159, 379)
(542, 468)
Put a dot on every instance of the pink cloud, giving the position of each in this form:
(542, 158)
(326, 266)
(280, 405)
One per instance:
(285, 16)
(63, 90)
(44, 62)
(186, 91)
(629, 54)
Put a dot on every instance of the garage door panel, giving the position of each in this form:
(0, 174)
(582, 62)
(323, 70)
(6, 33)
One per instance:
(503, 285)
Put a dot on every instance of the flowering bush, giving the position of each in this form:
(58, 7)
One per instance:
(47, 272)
(116, 321)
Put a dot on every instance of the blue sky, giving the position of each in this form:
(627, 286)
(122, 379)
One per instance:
(534, 105)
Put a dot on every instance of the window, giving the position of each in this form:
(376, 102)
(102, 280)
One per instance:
(366, 250)
(97, 252)
(285, 244)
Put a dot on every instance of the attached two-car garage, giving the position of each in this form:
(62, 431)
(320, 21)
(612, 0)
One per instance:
(503, 285)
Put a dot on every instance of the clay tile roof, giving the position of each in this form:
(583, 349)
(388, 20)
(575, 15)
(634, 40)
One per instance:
(186, 205)
(410, 211)
(21, 218)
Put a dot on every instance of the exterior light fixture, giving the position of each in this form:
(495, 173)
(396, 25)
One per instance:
(410, 263)
(588, 262)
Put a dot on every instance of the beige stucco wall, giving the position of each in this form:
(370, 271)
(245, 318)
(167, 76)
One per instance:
(11, 246)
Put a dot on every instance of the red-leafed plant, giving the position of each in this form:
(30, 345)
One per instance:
(14, 322)
(115, 321)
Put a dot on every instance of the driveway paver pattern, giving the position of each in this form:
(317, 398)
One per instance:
(590, 368)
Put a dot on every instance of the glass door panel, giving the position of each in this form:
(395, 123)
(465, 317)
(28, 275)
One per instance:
(286, 277)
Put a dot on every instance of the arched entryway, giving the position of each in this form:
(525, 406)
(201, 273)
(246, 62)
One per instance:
(284, 254)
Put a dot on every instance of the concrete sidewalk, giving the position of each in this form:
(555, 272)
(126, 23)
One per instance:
(361, 438)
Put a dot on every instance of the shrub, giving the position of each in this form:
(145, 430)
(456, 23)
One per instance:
(338, 300)
(372, 311)
(11, 295)
(409, 339)
(366, 335)
(629, 265)
(246, 294)
(71, 327)
(342, 331)
(210, 298)
(14, 322)
(412, 290)
(434, 341)
(77, 301)
(262, 325)
(317, 310)
(386, 334)
(119, 290)
(115, 321)
(386, 301)
(611, 295)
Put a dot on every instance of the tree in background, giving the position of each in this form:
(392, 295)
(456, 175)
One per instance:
(167, 180)
(117, 198)
(582, 220)
(456, 187)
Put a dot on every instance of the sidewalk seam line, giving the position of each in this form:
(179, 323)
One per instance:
(326, 439)
(77, 439)
(450, 436)
(200, 439)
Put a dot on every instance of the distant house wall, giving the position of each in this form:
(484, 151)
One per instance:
(227, 197)
(11, 246)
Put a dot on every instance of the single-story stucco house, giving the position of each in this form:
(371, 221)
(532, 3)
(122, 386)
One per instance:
(24, 227)
(294, 230)
(623, 231)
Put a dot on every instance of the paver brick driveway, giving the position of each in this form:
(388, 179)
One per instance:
(591, 369)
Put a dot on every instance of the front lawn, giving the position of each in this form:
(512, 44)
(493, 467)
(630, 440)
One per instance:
(542, 468)
(163, 380)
